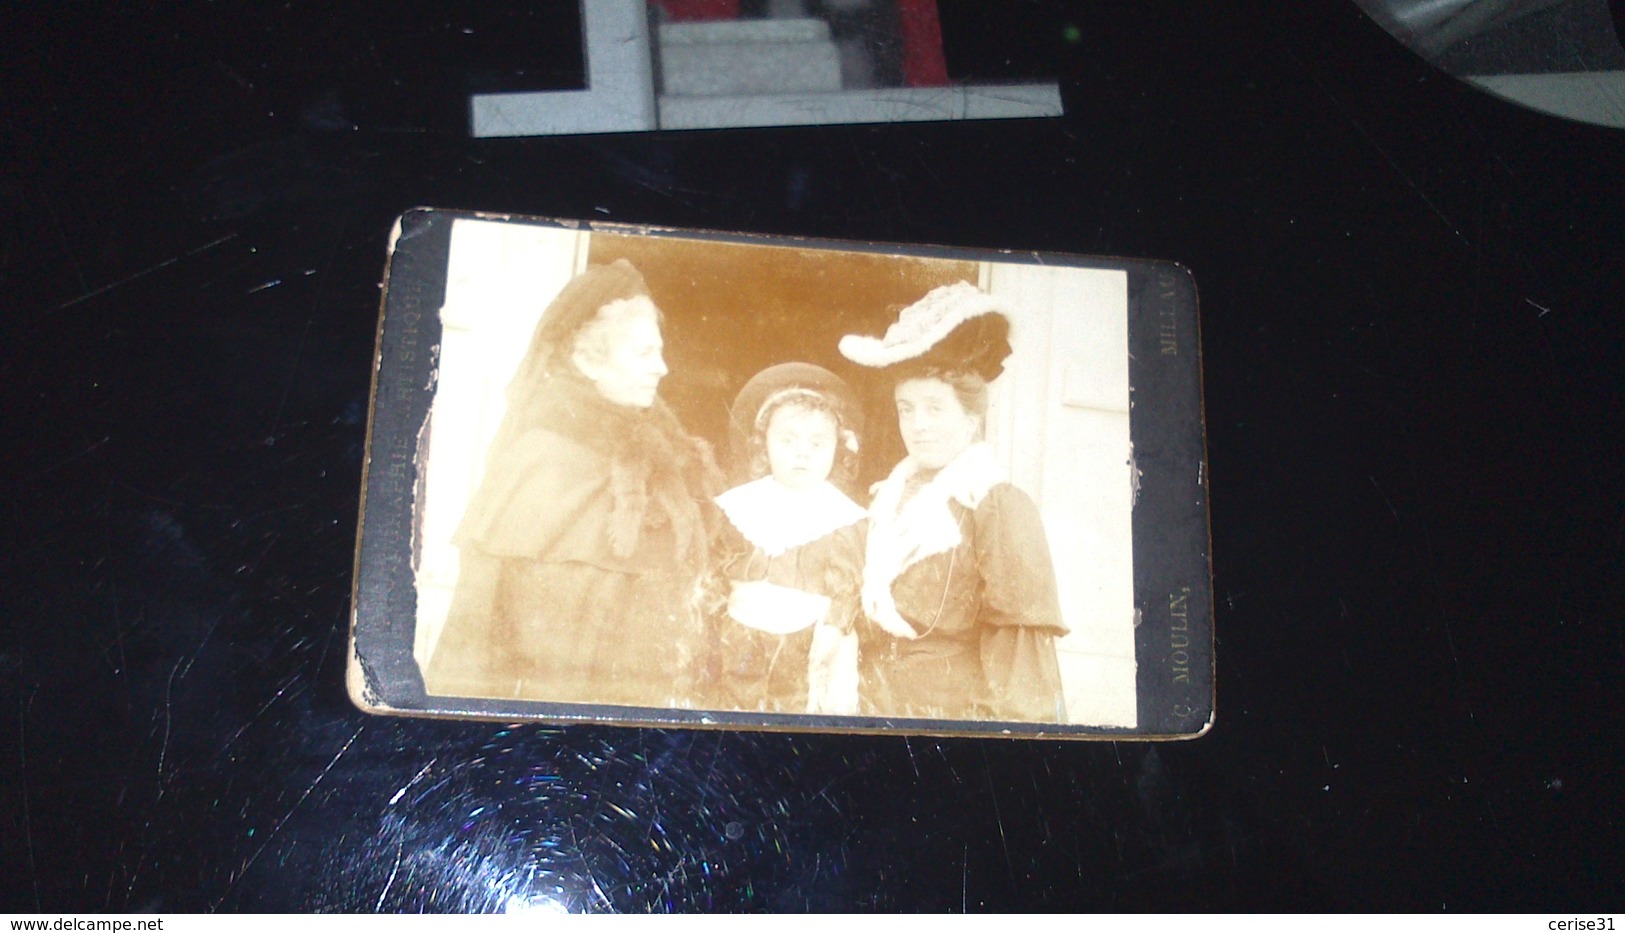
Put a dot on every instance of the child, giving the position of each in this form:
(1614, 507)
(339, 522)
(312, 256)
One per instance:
(791, 556)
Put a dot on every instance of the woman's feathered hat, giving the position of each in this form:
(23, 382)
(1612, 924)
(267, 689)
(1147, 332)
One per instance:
(954, 327)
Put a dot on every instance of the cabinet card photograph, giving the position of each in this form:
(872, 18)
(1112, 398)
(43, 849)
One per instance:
(657, 477)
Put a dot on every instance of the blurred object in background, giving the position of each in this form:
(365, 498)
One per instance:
(708, 64)
(1562, 57)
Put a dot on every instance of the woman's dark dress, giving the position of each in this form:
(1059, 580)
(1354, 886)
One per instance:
(988, 613)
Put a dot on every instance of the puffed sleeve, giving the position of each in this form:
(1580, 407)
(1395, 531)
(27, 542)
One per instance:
(1020, 615)
(841, 574)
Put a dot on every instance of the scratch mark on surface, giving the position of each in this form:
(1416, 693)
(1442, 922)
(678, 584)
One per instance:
(598, 889)
(1385, 500)
(280, 690)
(415, 778)
(287, 388)
(144, 272)
(711, 769)
(28, 824)
(1444, 614)
(118, 862)
(823, 792)
(163, 747)
(201, 643)
(242, 82)
(586, 868)
(964, 880)
(238, 267)
(64, 462)
(239, 873)
(1540, 307)
(998, 817)
(1360, 128)
(390, 881)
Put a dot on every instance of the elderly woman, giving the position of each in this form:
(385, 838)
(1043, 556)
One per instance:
(581, 549)
(958, 582)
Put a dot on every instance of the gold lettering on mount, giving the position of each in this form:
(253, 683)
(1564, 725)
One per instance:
(1176, 608)
(1179, 630)
(397, 473)
(408, 343)
(1167, 321)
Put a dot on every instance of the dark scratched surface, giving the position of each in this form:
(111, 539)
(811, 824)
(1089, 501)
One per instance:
(1412, 301)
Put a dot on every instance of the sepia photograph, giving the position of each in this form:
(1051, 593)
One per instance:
(725, 481)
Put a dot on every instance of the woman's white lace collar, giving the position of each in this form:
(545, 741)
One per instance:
(776, 518)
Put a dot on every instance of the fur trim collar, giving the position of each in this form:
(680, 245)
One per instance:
(652, 462)
(657, 473)
(901, 534)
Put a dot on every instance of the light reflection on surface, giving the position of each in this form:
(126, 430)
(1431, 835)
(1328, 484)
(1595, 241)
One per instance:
(533, 904)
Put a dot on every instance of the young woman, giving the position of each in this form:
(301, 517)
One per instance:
(957, 584)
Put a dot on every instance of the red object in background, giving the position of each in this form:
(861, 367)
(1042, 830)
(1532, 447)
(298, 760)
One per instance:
(924, 64)
(684, 10)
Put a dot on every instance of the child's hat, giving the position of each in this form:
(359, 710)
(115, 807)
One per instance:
(784, 382)
(780, 383)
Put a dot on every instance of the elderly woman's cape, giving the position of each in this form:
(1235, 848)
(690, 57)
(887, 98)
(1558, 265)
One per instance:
(578, 555)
